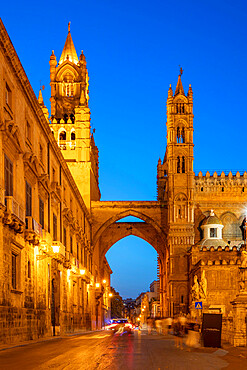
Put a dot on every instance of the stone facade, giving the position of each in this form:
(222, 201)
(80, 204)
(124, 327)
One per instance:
(47, 272)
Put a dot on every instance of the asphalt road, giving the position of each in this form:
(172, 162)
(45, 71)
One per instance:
(103, 350)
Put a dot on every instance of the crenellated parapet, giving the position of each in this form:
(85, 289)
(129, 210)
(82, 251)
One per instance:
(221, 183)
(216, 256)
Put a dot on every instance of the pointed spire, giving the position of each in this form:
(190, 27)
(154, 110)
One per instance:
(179, 88)
(40, 98)
(42, 104)
(69, 52)
(170, 92)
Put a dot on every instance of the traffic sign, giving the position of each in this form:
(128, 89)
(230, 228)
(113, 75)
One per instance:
(198, 305)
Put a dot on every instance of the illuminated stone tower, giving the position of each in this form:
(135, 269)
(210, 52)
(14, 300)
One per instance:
(175, 189)
(70, 117)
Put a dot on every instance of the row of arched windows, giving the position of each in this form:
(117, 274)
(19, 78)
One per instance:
(63, 136)
(179, 108)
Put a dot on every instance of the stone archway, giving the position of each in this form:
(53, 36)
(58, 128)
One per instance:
(107, 231)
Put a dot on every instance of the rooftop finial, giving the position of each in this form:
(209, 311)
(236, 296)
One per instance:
(212, 212)
(69, 27)
(181, 71)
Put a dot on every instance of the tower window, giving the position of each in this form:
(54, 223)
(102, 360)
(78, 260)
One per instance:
(62, 136)
(68, 85)
(213, 232)
(178, 164)
(73, 135)
(179, 108)
(183, 165)
(180, 135)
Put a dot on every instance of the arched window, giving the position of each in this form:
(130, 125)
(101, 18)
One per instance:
(62, 136)
(72, 117)
(183, 164)
(73, 135)
(180, 135)
(179, 108)
(178, 164)
(68, 85)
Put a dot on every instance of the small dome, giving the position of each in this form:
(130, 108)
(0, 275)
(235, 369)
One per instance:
(212, 220)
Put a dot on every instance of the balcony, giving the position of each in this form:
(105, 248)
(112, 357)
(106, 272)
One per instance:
(67, 145)
(14, 215)
(33, 232)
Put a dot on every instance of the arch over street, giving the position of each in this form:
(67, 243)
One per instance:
(107, 231)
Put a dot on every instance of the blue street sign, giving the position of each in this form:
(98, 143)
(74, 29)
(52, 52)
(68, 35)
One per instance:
(198, 305)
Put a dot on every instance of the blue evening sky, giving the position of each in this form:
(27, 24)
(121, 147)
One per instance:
(133, 51)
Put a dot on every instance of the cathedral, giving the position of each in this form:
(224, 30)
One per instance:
(55, 230)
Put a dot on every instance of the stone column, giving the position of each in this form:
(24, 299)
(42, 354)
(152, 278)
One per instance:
(240, 310)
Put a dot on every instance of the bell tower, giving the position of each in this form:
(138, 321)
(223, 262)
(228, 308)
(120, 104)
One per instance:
(70, 118)
(176, 189)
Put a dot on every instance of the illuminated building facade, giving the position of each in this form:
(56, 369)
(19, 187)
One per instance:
(47, 273)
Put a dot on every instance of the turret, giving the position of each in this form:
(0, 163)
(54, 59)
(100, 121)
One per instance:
(43, 107)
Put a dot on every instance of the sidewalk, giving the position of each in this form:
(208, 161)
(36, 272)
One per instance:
(227, 351)
(6, 346)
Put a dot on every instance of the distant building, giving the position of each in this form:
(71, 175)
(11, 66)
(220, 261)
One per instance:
(129, 307)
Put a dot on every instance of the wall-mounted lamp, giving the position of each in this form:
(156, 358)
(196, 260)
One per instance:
(55, 248)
